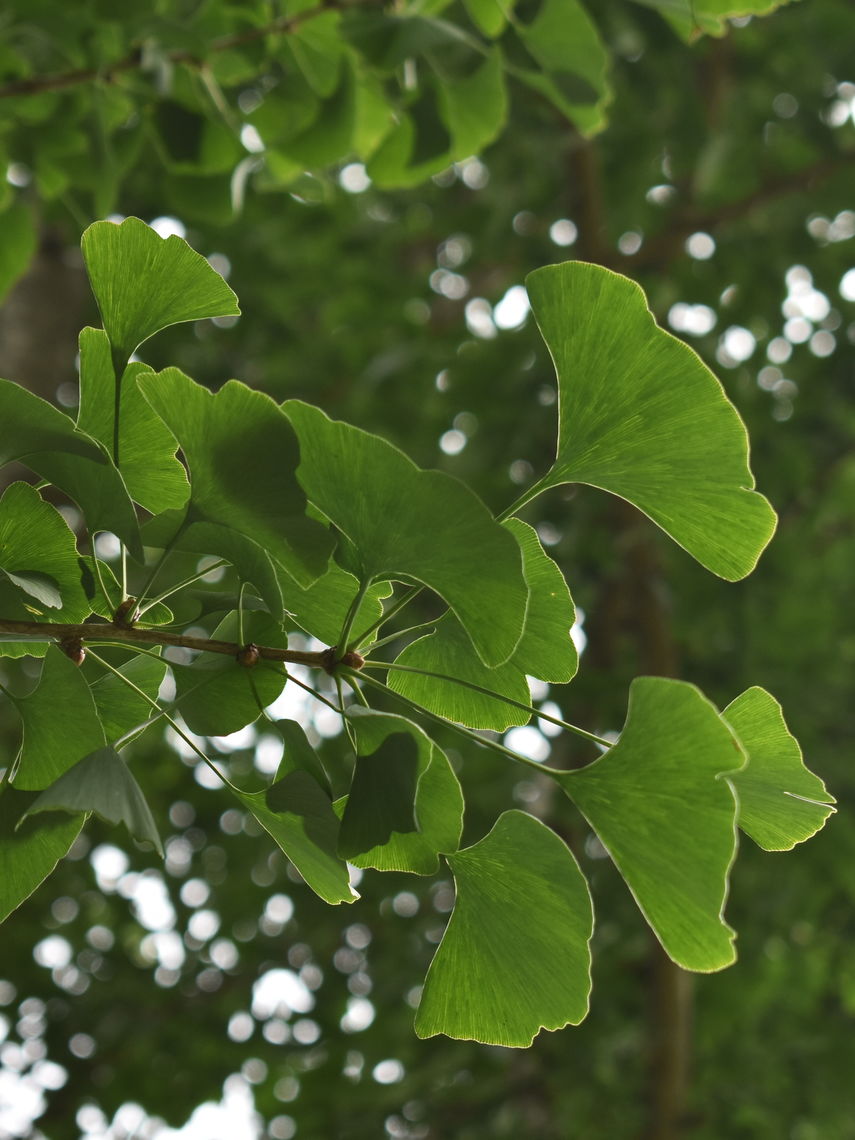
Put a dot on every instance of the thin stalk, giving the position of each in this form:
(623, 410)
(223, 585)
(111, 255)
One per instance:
(598, 740)
(395, 608)
(158, 566)
(344, 718)
(302, 685)
(97, 567)
(525, 497)
(350, 617)
(180, 585)
(124, 571)
(403, 633)
(169, 720)
(469, 733)
(241, 631)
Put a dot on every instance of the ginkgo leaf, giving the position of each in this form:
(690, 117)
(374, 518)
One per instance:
(102, 783)
(781, 802)
(514, 958)
(642, 416)
(29, 850)
(242, 454)
(660, 805)
(143, 283)
(423, 525)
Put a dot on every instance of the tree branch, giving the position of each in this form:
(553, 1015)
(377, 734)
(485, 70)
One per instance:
(63, 634)
(134, 61)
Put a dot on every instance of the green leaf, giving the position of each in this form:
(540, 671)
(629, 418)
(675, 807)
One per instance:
(61, 723)
(321, 608)
(642, 416)
(151, 471)
(781, 802)
(693, 18)
(572, 61)
(18, 247)
(119, 707)
(514, 958)
(29, 852)
(545, 650)
(489, 16)
(248, 558)
(405, 804)
(38, 560)
(45, 440)
(242, 453)
(217, 695)
(101, 783)
(299, 755)
(298, 815)
(144, 283)
(424, 525)
(661, 810)
(159, 614)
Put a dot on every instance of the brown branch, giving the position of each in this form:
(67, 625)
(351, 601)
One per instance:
(109, 631)
(284, 26)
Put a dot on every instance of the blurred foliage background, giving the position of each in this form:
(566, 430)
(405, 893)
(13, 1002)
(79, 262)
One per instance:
(136, 996)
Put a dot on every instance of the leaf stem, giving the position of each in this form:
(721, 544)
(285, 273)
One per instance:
(469, 733)
(180, 585)
(395, 608)
(598, 740)
(403, 633)
(353, 609)
(526, 497)
(169, 719)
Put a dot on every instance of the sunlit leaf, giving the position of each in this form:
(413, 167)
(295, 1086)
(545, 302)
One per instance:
(298, 815)
(405, 804)
(30, 852)
(659, 804)
(151, 471)
(320, 609)
(143, 283)
(101, 783)
(40, 577)
(61, 723)
(514, 958)
(242, 454)
(781, 802)
(693, 18)
(45, 439)
(545, 651)
(642, 416)
(423, 525)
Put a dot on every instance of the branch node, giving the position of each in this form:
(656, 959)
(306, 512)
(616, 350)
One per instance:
(126, 613)
(72, 647)
(248, 655)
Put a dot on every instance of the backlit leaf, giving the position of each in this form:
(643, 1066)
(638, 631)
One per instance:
(514, 958)
(423, 525)
(101, 783)
(143, 283)
(242, 454)
(642, 416)
(659, 804)
(30, 852)
(781, 802)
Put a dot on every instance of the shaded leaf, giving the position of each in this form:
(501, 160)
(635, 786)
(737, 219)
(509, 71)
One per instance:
(151, 471)
(642, 416)
(660, 808)
(514, 958)
(101, 783)
(217, 695)
(320, 609)
(143, 283)
(19, 244)
(119, 707)
(61, 723)
(298, 815)
(405, 804)
(424, 525)
(242, 454)
(781, 802)
(545, 651)
(299, 755)
(45, 439)
(29, 852)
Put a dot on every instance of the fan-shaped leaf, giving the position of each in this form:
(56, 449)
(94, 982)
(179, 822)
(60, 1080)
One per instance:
(642, 416)
(424, 525)
(781, 802)
(29, 850)
(514, 958)
(660, 808)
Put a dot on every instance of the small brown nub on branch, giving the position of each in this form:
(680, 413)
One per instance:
(72, 647)
(249, 655)
(353, 660)
(125, 614)
(331, 660)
